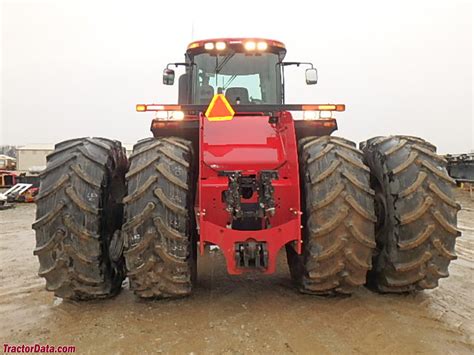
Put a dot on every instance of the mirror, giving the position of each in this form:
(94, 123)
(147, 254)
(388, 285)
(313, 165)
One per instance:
(311, 76)
(168, 76)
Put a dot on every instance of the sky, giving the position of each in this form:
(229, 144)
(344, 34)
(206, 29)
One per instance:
(77, 68)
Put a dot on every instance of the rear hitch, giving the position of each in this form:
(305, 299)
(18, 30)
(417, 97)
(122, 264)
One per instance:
(251, 255)
(243, 187)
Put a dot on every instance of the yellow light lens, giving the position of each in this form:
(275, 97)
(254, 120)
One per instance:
(193, 45)
(250, 46)
(209, 46)
(262, 46)
(327, 107)
(220, 46)
(140, 108)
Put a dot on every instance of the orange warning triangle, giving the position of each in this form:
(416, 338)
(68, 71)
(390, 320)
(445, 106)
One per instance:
(219, 109)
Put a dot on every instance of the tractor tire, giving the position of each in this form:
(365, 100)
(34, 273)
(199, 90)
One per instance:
(159, 229)
(416, 214)
(79, 211)
(338, 218)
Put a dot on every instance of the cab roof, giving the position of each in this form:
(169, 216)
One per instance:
(240, 44)
(237, 40)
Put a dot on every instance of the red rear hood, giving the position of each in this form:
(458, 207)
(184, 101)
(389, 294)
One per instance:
(243, 142)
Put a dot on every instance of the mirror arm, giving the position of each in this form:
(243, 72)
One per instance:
(297, 64)
(177, 64)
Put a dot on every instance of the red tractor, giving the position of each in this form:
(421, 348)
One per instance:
(230, 166)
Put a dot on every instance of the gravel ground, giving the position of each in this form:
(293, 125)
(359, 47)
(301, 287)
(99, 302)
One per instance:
(244, 314)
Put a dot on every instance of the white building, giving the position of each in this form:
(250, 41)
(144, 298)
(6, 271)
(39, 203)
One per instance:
(31, 158)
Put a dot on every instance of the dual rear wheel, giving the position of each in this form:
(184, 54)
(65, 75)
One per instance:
(159, 232)
(416, 226)
(383, 216)
(91, 232)
(79, 215)
(338, 218)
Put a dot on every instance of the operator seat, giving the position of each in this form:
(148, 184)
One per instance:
(237, 94)
(206, 93)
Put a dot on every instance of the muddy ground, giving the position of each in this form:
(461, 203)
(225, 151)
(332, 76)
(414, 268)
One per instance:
(226, 314)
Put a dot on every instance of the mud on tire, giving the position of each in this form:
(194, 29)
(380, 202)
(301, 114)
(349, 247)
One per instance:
(338, 217)
(159, 231)
(79, 208)
(416, 212)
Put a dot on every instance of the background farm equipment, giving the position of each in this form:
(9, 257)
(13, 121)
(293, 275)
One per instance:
(19, 193)
(461, 169)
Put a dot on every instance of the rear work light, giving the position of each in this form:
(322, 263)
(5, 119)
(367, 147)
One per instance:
(220, 46)
(163, 112)
(314, 115)
(170, 115)
(154, 107)
(314, 112)
(262, 46)
(249, 44)
(252, 45)
(209, 46)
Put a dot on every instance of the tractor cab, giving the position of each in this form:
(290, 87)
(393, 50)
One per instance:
(246, 71)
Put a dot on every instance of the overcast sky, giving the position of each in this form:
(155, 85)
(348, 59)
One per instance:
(77, 68)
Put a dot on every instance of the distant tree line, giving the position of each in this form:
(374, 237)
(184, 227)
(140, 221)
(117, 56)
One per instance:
(9, 150)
